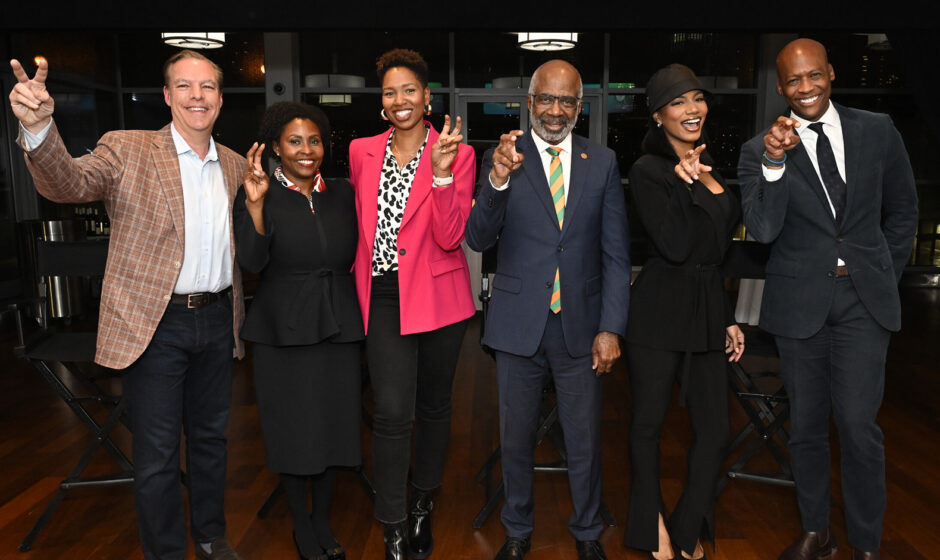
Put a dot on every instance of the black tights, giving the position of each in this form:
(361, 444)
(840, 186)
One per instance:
(311, 528)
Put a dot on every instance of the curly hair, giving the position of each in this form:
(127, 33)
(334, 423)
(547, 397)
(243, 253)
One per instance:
(406, 58)
(278, 115)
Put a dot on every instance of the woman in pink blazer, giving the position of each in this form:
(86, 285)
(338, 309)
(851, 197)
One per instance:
(413, 190)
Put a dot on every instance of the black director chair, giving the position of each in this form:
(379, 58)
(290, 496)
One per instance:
(760, 393)
(549, 426)
(64, 358)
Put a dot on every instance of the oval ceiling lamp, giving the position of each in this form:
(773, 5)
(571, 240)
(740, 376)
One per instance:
(547, 41)
(194, 40)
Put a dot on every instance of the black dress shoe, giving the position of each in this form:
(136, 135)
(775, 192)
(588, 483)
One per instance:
(590, 550)
(811, 546)
(420, 540)
(396, 541)
(513, 549)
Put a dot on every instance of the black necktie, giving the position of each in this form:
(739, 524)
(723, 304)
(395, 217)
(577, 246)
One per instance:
(829, 170)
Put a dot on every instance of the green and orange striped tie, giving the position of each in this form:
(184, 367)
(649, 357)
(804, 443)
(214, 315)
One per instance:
(556, 184)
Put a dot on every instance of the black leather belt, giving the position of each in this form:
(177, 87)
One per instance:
(200, 299)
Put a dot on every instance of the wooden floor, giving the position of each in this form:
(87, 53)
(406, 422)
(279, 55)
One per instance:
(41, 440)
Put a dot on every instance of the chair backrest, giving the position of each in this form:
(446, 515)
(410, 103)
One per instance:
(71, 258)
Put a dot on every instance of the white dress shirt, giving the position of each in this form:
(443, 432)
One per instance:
(207, 257)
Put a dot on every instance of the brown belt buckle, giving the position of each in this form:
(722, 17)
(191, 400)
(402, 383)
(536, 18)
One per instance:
(194, 301)
(842, 271)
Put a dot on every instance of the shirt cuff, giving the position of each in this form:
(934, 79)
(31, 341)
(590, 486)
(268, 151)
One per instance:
(771, 175)
(502, 188)
(34, 140)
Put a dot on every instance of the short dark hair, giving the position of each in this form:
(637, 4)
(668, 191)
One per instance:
(406, 58)
(278, 115)
(187, 53)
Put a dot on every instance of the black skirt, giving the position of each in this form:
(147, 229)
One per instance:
(309, 405)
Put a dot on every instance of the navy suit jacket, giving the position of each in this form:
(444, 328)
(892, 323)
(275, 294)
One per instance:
(793, 214)
(591, 251)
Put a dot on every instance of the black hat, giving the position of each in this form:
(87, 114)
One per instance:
(669, 83)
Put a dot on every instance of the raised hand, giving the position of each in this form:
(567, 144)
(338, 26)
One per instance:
(254, 178)
(444, 151)
(781, 137)
(689, 167)
(505, 158)
(30, 101)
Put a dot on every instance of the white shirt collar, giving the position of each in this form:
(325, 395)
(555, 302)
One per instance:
(565, 144)
(830, 117)
(182, 147)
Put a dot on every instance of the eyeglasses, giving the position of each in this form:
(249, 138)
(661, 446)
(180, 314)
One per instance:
(547, 100)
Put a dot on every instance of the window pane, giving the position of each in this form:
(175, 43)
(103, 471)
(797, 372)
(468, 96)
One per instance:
(358, 117)
(236, 128)
(721, 60)
(71, 55)
(481, 57)
(862, 60)
(143, 55)
(355, 52)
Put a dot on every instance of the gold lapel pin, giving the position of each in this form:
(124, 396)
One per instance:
(583, 155)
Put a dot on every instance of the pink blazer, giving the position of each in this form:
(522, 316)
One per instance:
(433, 277)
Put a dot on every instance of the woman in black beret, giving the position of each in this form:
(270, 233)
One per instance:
(680, 328)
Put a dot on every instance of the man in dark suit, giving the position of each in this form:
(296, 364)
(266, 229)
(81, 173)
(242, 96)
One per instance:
(555, 203)
(832, 189)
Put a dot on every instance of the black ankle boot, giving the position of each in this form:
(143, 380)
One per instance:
(396, 541)
(420, 541)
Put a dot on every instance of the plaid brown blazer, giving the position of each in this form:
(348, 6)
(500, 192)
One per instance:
(136, 173)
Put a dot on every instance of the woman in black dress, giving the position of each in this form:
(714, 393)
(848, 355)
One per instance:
(299, 233)
(680, 326)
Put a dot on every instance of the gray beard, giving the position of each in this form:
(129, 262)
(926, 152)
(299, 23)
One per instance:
(547, 135)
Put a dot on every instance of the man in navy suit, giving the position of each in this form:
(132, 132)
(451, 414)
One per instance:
(560, 294)
(832, 189)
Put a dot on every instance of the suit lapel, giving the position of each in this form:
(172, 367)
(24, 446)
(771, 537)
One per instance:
(535, 175)
(421, 185)
(851, 132)
(368, 187)
(580, 165)
(167, 164)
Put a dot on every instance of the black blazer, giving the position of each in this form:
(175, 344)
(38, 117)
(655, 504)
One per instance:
(306, 293)
(678, 301)
(794, 215)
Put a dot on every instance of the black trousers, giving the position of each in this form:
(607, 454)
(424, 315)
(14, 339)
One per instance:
(412, 376)
(652, 374)
(182, 382)
(839, 370)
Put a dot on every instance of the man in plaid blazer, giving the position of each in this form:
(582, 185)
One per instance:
(171, 304)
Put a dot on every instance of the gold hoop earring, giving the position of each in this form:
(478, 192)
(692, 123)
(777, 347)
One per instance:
(383, 115)
(428, 112)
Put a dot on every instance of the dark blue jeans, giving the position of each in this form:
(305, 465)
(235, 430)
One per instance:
(183, 380)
